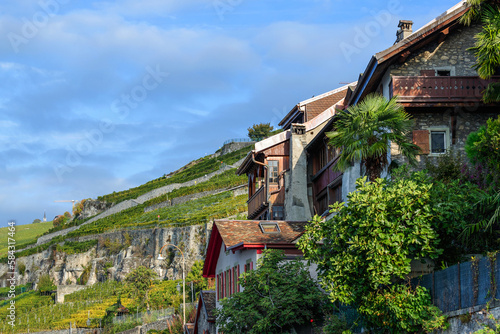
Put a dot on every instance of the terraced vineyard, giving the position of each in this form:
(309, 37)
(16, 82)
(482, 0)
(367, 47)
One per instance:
(25, 234)
(195, 170)
(36, 312)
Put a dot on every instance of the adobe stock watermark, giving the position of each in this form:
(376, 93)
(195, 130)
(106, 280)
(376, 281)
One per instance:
(31, 27)
(222, 7)
(122, 107)
(372, 28)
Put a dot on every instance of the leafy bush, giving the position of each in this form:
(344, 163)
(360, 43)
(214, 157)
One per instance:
(483, 148)
(276, 297)
(45, 283)
(447, 167)
(369, 244)
(21, 267)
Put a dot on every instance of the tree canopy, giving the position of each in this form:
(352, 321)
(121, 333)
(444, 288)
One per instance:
(141, 281)
(277, 296)
(364, 132)
(368, 245)
(487, 46)
(260, 131)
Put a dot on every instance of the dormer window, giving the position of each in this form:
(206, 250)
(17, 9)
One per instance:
(269, 227)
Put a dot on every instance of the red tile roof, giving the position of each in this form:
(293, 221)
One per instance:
(237, 232)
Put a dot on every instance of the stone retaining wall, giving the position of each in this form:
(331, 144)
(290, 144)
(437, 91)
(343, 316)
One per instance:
(134, 202)
(183, 199)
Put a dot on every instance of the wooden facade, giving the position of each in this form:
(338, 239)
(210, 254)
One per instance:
(326, 183)
(266, 185)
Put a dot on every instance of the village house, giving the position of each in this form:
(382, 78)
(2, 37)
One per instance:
(290, 175)
(278, 187)
(205, 318)
(235, 246)
(431, 72)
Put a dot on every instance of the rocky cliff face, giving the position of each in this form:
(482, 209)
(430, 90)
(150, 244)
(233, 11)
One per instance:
(92, 207)
(116, 254)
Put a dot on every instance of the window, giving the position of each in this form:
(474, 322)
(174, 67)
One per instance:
(322, 203)
(432, 141)
(335, 193)
(438, 140)
(442, 73)
(273, 171)
(278, 213)
(269, 228)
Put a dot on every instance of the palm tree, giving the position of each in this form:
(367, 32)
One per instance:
(364, 132)
(487, 46)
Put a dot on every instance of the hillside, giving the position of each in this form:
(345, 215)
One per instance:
(125, 230)
(25, 234)
(203, 190)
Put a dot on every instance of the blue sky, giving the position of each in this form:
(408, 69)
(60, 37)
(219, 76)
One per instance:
(102, 96)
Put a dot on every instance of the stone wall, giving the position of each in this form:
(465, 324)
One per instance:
(235, 146)
(134, 202)
(135, 248)
(240, 190)
(467, 121)
(451, 52)
(63, 290)
(471, 320)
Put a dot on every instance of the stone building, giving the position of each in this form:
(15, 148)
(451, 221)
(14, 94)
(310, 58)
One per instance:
(431, 72)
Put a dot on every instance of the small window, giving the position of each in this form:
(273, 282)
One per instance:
(438, 141)
(273, 171)
(269, 227)
(443, 73)
(278, 213)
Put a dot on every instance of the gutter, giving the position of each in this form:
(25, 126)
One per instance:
(365, 80)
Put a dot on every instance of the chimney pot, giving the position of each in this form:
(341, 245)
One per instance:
(405, 30)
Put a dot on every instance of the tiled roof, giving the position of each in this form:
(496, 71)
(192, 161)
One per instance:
(315, 108)
(235, 232)
(208, 298)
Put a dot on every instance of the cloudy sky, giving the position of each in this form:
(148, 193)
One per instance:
(102, 96)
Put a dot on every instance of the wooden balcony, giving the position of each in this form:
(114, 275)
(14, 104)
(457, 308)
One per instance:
(257, 202)
(439, 91)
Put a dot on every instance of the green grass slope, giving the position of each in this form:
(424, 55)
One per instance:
(194, 170)
(25, 234)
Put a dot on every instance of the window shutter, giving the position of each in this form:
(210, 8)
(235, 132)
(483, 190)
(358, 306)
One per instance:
(238, 278)
(421, 139)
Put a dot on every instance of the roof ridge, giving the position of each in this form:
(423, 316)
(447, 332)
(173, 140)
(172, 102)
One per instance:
(318, 97)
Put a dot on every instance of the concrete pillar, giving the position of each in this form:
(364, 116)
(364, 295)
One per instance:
(296, 201)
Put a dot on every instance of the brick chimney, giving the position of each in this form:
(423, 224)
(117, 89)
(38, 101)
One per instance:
(404, 30)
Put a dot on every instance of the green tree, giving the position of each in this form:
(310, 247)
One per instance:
(277, 296)
(196, 276)
(487, 46)
(141, 281)
(36, 221)
(368, 245)
(260, 131)
(364, 132)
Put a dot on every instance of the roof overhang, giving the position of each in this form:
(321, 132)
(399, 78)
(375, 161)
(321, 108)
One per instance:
(249, 245)
(401, 50)
(213, 251)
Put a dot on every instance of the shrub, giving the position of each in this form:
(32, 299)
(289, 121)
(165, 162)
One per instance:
(45, 283)
(21, 267)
